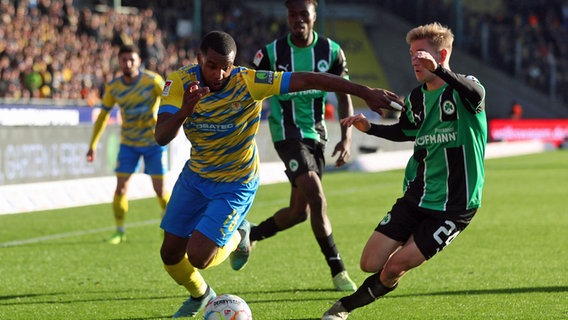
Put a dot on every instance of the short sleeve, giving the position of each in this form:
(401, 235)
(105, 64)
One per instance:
(172, 94)
(263, 84)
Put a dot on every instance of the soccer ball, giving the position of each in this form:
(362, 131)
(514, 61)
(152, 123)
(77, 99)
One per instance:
(227, 307)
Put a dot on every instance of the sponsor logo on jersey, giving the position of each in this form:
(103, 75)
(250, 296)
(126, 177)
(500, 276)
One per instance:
(213, 127)
(417, 116)
(258, 57)
(264, 77)
(167, 87)
(141, 109)
(444, 135)
(282, 68)
(322, 66)
(312, 94)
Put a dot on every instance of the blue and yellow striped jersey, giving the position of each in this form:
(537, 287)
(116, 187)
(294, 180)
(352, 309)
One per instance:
(138, 104)
(225, 122)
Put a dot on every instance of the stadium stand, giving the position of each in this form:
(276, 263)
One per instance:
(53, 49)
(62, 49)
(526, 40)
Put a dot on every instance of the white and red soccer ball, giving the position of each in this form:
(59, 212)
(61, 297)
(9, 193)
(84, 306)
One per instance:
(227, 307)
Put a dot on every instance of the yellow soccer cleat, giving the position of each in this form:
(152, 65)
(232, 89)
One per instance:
(117, 238)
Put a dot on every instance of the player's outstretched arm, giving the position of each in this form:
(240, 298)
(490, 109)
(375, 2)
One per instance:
(376, 98)
(392, 132)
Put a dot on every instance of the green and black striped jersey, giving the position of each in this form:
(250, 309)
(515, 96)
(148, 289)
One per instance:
(449, 130)
(300, 115)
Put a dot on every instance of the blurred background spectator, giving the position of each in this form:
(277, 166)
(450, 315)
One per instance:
(516, 110)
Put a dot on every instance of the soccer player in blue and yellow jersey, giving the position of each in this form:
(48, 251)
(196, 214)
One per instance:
(443, 181)
(218, 106)
(299, 132)
(137, 92)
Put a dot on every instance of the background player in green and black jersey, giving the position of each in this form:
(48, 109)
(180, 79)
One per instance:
(299, 133)
(443, 182)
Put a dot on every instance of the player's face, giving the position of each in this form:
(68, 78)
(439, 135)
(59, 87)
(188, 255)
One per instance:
(421, 73)
(216, 68)
(129, 64)
(301, 18)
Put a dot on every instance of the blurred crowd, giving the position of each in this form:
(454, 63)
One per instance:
(51, 49)
(528, 39)
(56, 49)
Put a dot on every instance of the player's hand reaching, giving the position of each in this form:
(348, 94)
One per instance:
(359, 121)
(381, 99)
(191, 96)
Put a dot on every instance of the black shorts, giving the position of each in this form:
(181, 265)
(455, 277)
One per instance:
(432, 230)
(301, 156)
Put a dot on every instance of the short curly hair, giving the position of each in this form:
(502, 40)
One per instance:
(314, 2)
(221, 42)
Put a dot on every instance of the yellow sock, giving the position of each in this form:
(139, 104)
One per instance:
(224, 252)
(188, 276)
(120, 207)
(163, 201)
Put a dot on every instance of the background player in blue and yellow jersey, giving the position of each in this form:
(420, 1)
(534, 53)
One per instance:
(137, 92)
(299, 131)
(218, 105)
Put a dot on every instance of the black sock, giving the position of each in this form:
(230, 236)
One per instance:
(329, 250)
(369, 291)
(265, 229)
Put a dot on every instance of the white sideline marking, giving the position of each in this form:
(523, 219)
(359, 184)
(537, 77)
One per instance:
(73, 234)
(89, 191)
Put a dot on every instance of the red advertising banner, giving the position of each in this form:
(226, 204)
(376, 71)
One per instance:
(549, 130)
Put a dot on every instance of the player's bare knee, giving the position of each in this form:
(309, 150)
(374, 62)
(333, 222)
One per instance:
(298, 214)
(171, 257)
(393, 270)
(302, 216)
(369, 266)
(199, 261)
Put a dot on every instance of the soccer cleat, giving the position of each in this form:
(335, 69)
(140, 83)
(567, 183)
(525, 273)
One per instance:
(336, 312)
(342, 282)
(117, 238)
(192, 306)
(240, 256)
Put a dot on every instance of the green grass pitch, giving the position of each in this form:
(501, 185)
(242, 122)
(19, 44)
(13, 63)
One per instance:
(511, 262)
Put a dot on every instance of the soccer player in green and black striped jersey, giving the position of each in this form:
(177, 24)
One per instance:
(298, 129)
(443, 182)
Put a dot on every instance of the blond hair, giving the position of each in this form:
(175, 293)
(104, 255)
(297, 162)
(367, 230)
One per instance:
(439, 36)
